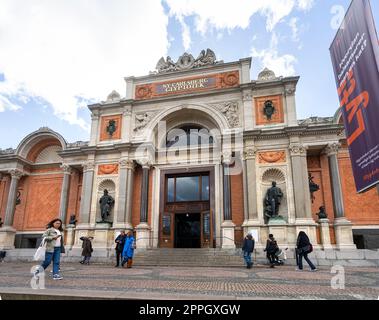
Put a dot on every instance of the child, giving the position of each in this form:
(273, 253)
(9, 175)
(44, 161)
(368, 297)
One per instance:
(87, 249)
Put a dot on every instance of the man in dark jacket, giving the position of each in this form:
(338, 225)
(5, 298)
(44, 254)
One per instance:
(120, 241)
(248, 248)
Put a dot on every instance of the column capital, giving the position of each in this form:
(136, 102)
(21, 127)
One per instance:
(16, 174)
(66, 168)
(289, 90)
(144, 162)
(247, 96)
(250, 153)
(332, 149)
(126, 164)
(298, 149)
(226, 157)
(88, 166)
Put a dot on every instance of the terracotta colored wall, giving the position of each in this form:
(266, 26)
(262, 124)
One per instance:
(361, 209)
(41, 202)
(74, 195)
(236, 183)
(38, 147)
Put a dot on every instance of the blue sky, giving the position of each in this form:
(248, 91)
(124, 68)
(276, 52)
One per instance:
(56, 60)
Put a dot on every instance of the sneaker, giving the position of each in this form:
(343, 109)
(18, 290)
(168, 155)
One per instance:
(57, 277)
(297, 269)
(315, 269)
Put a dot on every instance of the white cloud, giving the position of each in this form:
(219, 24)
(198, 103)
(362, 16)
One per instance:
(226, 14)
(186, 34)
(295, 30)
(64, 51)
(282, 65)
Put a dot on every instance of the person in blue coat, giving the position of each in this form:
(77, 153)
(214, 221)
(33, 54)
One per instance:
(128, 252)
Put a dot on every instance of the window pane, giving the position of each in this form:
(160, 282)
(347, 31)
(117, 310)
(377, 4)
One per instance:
(170, 189)
(187, 189)
(204, 188)
(166, 225)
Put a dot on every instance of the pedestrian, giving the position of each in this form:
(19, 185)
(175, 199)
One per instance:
(87, 249)
(248, 248)
(120, 241)
(128, 251)
(54, 247)
(271, 248)
(303, 248)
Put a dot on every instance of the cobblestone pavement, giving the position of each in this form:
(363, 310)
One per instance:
(260, 282)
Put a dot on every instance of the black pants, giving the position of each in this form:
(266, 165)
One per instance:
(305, 255)
(118, 257)
(271, 257)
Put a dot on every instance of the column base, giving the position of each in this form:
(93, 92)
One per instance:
(122, 226)
(344, 233)
(143, 236)
(227, 228)
(7, 237)
(70, 236)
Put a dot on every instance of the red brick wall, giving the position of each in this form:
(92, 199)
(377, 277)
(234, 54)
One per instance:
(236, 183)
(360, 209)
(74, 195)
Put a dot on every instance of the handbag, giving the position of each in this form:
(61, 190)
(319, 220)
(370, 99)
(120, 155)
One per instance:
(41, 251)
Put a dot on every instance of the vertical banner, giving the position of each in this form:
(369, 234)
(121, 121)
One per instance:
(355, 58)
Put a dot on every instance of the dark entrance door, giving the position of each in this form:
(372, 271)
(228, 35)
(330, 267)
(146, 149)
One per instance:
(187, 230)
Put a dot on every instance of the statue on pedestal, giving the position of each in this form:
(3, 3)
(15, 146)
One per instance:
(273, 198)
(106, 205)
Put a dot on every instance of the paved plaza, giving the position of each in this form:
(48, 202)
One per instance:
(261, 282)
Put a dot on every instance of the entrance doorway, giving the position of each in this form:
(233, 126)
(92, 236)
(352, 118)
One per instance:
(186, 219)
(187, 230)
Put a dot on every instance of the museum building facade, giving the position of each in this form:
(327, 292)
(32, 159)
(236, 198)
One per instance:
(188, 157)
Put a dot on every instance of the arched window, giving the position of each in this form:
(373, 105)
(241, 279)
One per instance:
(188, 135)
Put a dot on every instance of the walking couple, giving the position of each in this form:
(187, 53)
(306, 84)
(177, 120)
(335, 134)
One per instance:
(125, 245)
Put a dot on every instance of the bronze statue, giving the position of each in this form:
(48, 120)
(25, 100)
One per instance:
(73, 219)
(269, 109)
(272, 201)
(106, 204)
(322, 214)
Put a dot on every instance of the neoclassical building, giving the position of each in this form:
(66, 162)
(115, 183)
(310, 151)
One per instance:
(188, 153)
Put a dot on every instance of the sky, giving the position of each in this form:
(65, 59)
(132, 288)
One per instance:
(58, 56)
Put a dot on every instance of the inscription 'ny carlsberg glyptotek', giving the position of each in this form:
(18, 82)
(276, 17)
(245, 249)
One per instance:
(185, 85)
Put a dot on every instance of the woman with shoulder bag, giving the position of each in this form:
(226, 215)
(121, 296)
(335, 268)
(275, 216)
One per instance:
(303, 248)
(54, 247)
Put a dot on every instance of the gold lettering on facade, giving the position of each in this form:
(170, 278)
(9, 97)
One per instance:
(185, 85)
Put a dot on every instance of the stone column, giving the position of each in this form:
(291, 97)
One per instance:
(64, 192)
(298, 154)
(227, 225)
(7, 232)
(248, 110)
(143, 229)
(11, 203)
(342, 226)
(87, 186)
(94, 128)
(129, 196)
(303, 212)
(251, 178)
(120, 219)
(291, 105)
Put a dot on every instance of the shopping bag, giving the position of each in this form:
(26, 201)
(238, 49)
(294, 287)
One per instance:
(40, 253)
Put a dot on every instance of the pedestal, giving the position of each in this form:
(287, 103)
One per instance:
(344, 233)
(227, 228)
(70, 236)
(325, 234)
(143, 236)
(255, 228)
(103, 234)
(277, 226)
(7, 237)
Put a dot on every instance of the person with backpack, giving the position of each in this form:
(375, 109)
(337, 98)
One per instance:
(303, 248)
(128, 252)
(87, 249)
(248, 248)
(271, 248)
(120, 241)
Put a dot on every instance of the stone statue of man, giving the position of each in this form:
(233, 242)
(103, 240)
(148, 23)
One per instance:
(106, 204)
(273, 198)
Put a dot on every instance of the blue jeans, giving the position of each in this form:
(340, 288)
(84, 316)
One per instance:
(247, 257)
(56, 257)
